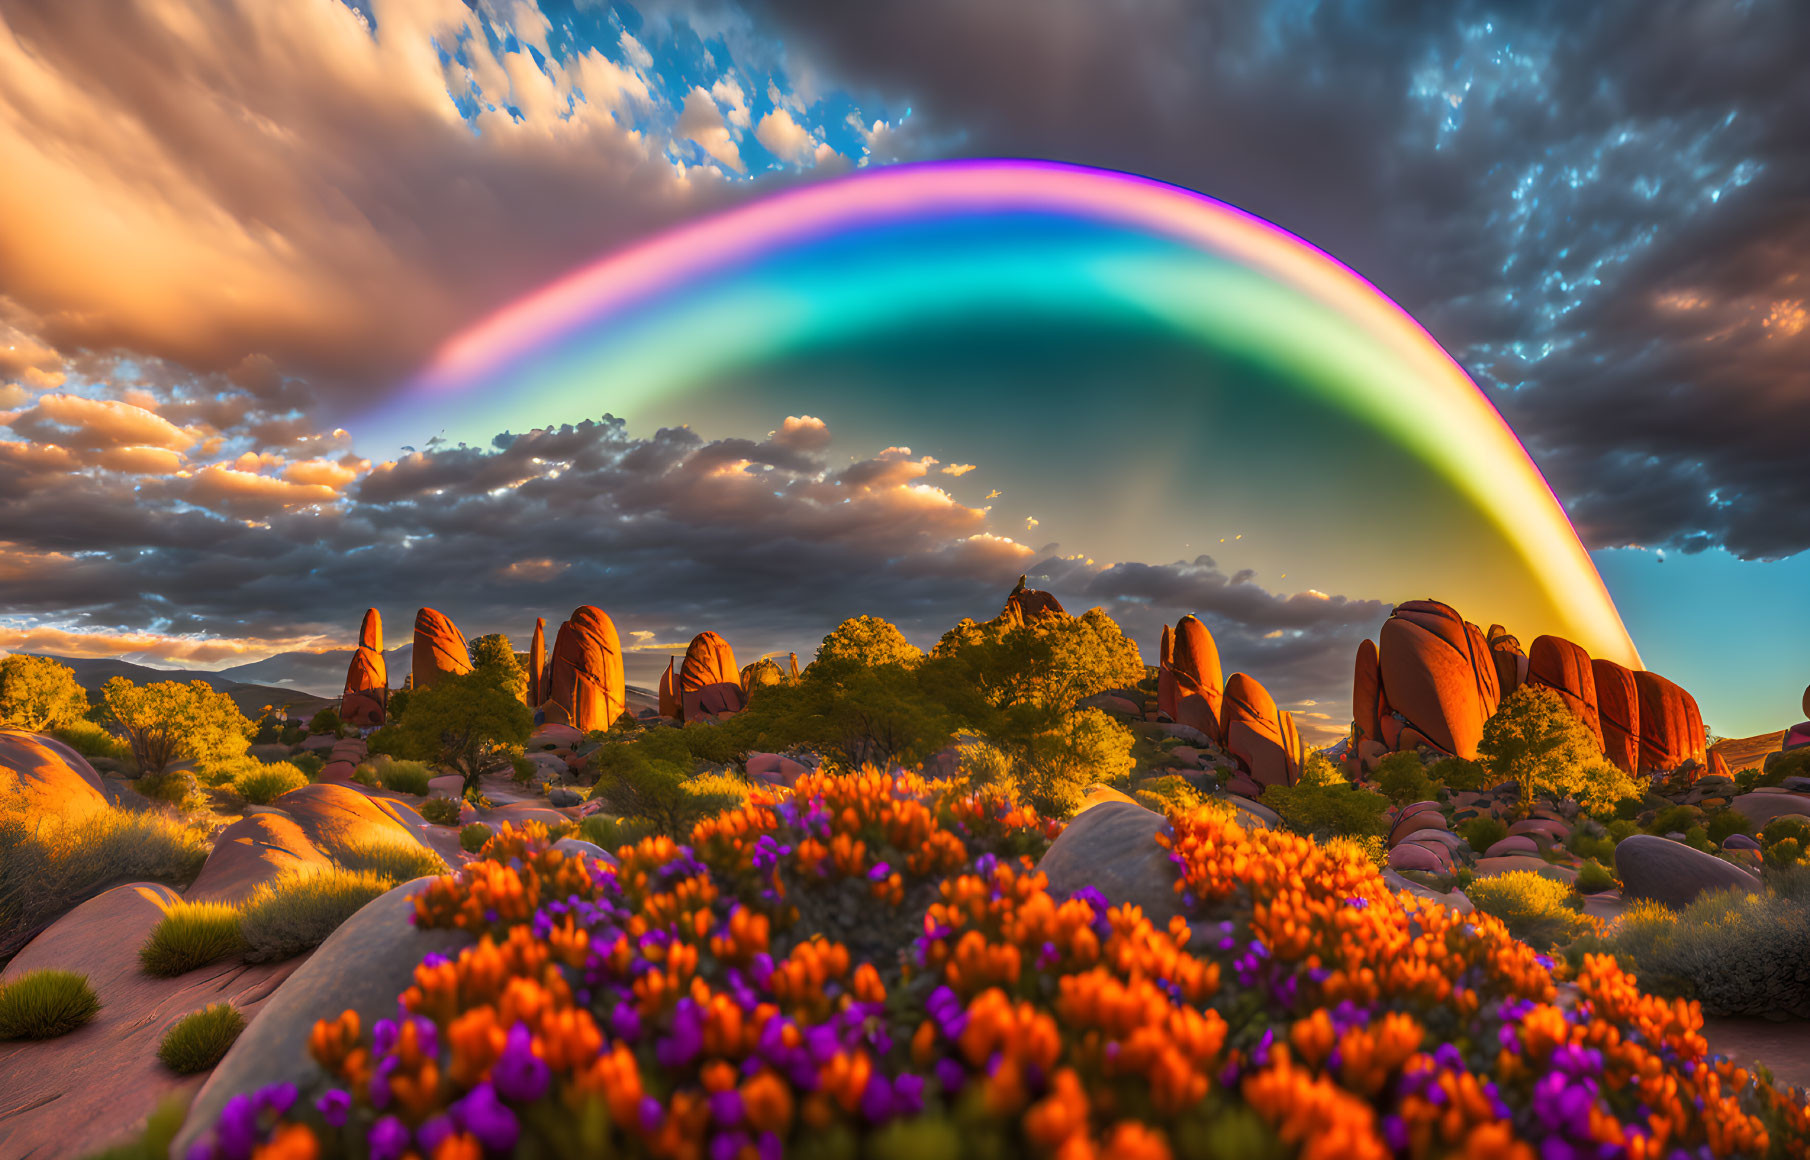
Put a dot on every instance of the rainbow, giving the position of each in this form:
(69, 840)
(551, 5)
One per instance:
(627, 329)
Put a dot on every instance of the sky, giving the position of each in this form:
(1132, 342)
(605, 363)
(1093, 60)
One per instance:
(229, 228)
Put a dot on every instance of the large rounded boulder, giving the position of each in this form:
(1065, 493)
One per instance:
(331, 817)
(49, 775)
(709, 683)
(537, 664)
(367, 694)
(1439, 676)
(1111, 846)
(440, 649)
(250, 852)
(586, 688)
(1672, 872)
(1511, 662)
(1671, 727)
(1557, 664)
(1199, 681)
(1262, 738)
(1618, 713)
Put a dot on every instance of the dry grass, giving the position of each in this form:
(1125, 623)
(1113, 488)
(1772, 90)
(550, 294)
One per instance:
(198, 1041)
(190, 935)
(297, 912)
(45, 1004)
(390, 854)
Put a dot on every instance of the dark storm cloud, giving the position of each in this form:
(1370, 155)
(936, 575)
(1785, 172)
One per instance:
(1603, 210)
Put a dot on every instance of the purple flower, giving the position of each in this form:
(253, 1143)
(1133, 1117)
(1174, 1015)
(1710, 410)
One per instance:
(433, 1133)
(625, 1022)
(651, 1114)
(951, 1075)
(726, 1108)
(487, 1119)
(236, 1132)
(383, 1036)
(727, 1145)
(519, 1075)
(333, 1107)
(879, 872)
(388, 1139)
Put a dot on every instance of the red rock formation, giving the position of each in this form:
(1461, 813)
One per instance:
(1557, 664)
(367, 693)
(51, 777)
(1199, 681)
(1263, 739)
(1671, 728)
(439, 649)
(537, 664)
(1618, 713)
(709, 683)
(1438, 674)
(1511, 662)
(1165, 679)
(585, 688)
(1807, 702)
(1367, 707)
(669, 692)
(1026, 605)
(1718, 765)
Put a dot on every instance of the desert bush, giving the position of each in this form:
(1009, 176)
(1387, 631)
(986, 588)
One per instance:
(1325, 811)
(473, 837)
(199, 1040)
(441, 811)
(612, 833)
(51, 862)
(1170, 792)
(1784, 842)
(326, 721)
(1673, 819)
(1483, 831)
(1457, 773)
(867, 640)
(984, 764)
(264, 784)
(1594, 878)
(1370, 846)
(167, 720)
(1536, 742)
(1538, 910)
(179, 787)
(1780, 766)
(1402, 778)
(44, 1004)
(38, 694)
(297, 911)
(190, 935)
(1737, 953)
(522, 770)
(1589, 840)
(402, 776)
(309, 763)
(1725, 824)
(1058, 764)
(660, 792)
(161, 1126)
(91, 740)
(392, 855)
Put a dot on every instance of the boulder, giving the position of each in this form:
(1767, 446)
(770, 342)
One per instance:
(1618, 713)
(588, 849)
(1165, 679)
(1673, 873)
(1511, 663)
(73, 1095)
(439, 649)
(1540, 827)
(1671, 727)
(669, 692)
(1761, 808)
(1444, 838)
(251, 852)
(1367, 705)
(1199, 682)
(564, 797)
(586, 687)
(1263, 739)
(361, 967)
(537, 664)
(1026, 605)
(1110, 703)
(555, 737)
(1413, 856)
(333, 816)
(1254, 814)
(319, 742)
(1186, 732)
(1112, 847)
(367, 692)
(1437, 674)
(1557, 664)
(1420, 807)
(49, 775)
(549, 767)
(1414, 823)
(1513, 844)
(450, 786)
(709, 684)
(777, 768)
(1457, 899)
(1739, 842)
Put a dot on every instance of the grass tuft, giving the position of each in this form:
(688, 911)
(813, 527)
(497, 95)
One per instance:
(297, 912)
(473, 837)
(389, 854)
(402, 776)
(45, 1004)
(190, 935)
(199, 1040)
(265, 783)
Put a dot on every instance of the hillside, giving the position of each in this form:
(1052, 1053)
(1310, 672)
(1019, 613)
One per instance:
(92, 673)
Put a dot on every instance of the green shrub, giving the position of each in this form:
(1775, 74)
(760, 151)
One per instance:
(983, 763)
(1737, 953)
(1725, 824)
(1594, 878)
(51, 862)
(176, 786)
(297, 911)
(402, 776)
(1784, 842)
(1586, 843)
(1163, 794)
(190, 935)
(1457, 773)
(45, 1004)
(1674, 819)
(266, 783)
(473, 837)
(199, 1040)
(309, 763)
(390, 854)
(612, 834)
(92, 740)
(1483, 831)
(441, 811)
(523, 770)
(1327, 811)
(1403, 779)
(326, 721)
(1538, 910)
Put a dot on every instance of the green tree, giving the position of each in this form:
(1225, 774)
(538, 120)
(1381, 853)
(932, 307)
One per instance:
(494, 654)
(470, 723)
(867, 640)
(1058, 763)
(1540, 745)
(661, 793)
(166, 721)
(1050, 663)
(858, 714)
(38, 694)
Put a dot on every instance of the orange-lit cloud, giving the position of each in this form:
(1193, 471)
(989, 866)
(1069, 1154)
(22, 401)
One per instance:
(153, 647)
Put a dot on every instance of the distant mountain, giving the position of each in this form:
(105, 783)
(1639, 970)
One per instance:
(93, 672)
(320, 673)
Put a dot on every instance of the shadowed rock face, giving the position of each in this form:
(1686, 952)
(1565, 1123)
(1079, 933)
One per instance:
(1165, 677)
(1511, 662)
(669, 692)
(52, 777)
(1367, 705)
(1618, 713)
(1807, 702)
(537, 664)
(709, 681)
(1672, 872)
(1025, 605)
(367, 694)
(1671, 727)
(586, 689)
(1199, 681)
(1557, 664)
(1263, 738)
(439, 649)
(1438, 674)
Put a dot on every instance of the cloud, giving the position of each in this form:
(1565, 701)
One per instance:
(83, 424)
(151, 647)
(789, 141)
(702, 122)
(957, 469)
(802, 432)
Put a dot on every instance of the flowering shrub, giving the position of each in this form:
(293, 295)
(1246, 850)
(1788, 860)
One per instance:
(707, 999)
